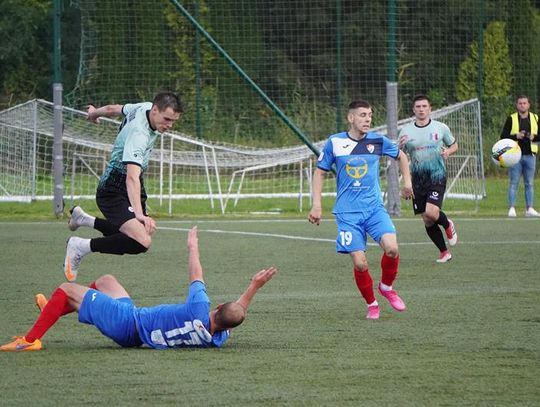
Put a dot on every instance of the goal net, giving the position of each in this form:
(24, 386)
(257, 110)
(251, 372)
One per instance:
(183, 167)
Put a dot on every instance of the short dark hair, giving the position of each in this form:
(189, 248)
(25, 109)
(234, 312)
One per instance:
(421, 96)
(230, 314)
(355, 104)
(166, 99)
(523, 97)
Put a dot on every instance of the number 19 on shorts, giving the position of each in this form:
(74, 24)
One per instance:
(345, 237)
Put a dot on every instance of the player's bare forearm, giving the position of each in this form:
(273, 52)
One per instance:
(450, 150)
(195, 267)
(133, 187)
(315, 214)
(257, 281)
(403, 162)
(105, 111)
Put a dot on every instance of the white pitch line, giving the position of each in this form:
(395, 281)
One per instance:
(317, 239)
(237, 232)
(312, 239)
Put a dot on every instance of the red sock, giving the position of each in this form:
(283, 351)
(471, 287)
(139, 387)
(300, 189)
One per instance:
(56, 307)
(364, 282)
(389, 268)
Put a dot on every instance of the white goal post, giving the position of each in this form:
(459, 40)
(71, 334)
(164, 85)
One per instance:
(183, 167)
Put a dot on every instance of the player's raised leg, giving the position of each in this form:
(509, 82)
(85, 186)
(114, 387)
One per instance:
(449, 228)
(76, 249)
(433, 218)
(61, 303)
(79, 218)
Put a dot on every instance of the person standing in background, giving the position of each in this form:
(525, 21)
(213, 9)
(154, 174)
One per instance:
(522, 126)
(429, 143)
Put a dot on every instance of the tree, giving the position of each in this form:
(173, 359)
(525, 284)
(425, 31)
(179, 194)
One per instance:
(497, 67)
(25, 29)
(524, 40)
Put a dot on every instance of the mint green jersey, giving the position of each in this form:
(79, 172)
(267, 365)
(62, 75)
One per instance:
(424, 146)
(134, 142)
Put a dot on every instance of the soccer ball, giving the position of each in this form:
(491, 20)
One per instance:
(505, 153)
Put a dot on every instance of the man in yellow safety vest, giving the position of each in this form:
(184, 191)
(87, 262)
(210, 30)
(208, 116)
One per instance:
(522, 126)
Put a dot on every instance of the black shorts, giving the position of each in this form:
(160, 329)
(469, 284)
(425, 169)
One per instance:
(113, 201)
(433, 193)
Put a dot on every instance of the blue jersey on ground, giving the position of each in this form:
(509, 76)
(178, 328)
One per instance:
(134, 142)
(180, 325)
(357, 165)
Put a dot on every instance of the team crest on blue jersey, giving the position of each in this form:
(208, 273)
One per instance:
(356, 167)
(370, 148)
(434, 136)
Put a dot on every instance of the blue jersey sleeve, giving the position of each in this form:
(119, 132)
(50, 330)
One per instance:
(390, 148)
(326, 158)
(197, 292)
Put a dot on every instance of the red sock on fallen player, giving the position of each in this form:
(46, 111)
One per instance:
(389, 268)
(364, 282)
(57, 306)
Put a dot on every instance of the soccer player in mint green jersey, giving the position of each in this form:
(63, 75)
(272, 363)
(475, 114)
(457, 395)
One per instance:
(359, 208)
(429, 143)
(120, 196)
(106, 305)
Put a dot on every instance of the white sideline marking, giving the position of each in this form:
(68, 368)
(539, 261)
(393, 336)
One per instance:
(312, 239)
(237, 232)
(316, 239)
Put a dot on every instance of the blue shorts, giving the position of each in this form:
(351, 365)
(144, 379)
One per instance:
(354, 227)
(113, 317)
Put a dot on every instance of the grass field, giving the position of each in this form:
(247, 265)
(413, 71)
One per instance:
(470, 336)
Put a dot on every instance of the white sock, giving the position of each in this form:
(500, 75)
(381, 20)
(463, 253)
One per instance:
(373, 304)
(84, 246)
(385, 287)
(88, 220)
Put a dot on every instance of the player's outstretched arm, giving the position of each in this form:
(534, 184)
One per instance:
(105, 111)
(195, 267)
(257, 281)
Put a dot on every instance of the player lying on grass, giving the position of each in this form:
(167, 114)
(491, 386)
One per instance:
(107, 305)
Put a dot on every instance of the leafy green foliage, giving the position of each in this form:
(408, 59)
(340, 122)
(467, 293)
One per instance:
(25, 48)
(310, 58)
(524, 37)
(496, 66)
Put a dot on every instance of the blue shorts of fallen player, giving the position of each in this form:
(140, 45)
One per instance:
(113, 317)
(354, 227)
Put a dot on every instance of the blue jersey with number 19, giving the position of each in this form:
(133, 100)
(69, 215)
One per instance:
(357, 165)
